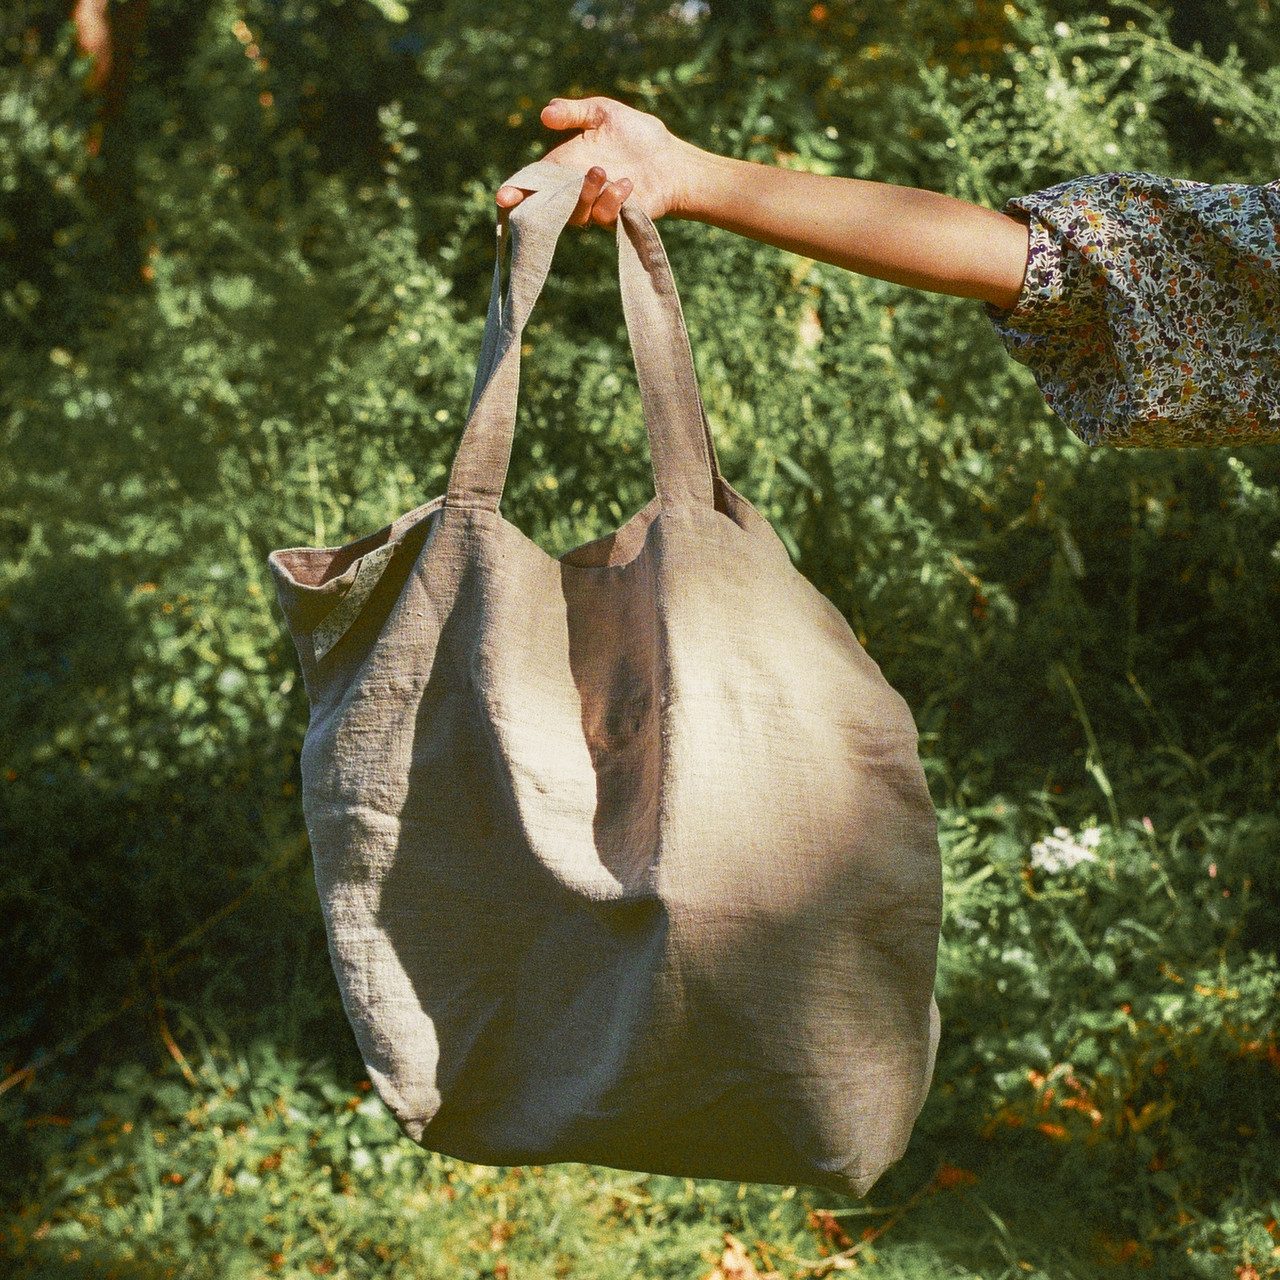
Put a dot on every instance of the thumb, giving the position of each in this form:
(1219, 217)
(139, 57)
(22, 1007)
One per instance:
(573, 113)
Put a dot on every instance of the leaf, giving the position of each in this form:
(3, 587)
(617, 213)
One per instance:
(735, 1264)
(797, 472)
(392, 10)
(826, 1224)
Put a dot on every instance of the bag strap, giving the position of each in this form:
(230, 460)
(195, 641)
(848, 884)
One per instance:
(684, 464)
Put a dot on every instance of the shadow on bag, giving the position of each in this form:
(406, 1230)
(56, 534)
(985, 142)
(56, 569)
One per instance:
(625, 857)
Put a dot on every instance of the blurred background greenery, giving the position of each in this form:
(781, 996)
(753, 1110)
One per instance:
(243, 278)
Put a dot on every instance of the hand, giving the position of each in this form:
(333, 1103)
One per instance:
(648, 162)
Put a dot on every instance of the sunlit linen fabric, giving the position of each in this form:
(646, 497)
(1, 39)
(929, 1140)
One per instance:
(626, 857)
(1150, 314)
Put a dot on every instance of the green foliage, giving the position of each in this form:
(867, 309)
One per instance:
(1109, 1040)
(1115, 996)
(260, 1166)
(268, 340)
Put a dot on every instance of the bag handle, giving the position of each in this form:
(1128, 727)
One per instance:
(684, 464)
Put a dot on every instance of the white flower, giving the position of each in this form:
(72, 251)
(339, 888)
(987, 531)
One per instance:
(1062, 851)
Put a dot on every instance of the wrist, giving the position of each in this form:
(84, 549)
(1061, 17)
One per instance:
(700, 180)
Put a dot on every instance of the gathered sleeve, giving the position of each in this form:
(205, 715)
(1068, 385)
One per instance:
(1150, 312)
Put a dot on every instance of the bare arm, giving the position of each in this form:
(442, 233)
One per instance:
(917, 238)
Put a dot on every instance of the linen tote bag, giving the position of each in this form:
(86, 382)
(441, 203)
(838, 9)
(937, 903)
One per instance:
(625, 857)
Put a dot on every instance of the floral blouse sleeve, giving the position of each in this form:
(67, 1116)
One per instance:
(1150, 313)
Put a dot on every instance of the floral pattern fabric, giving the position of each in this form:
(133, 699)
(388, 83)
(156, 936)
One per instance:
(1150, 312)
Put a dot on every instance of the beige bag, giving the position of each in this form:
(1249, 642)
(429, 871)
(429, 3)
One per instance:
(625, 857)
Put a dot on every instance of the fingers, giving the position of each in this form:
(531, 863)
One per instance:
(599, 201)
(592, 185)
(575, 113)
(610, 202)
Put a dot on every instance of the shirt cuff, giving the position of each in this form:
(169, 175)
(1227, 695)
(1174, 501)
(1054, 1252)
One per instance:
(1057, 289)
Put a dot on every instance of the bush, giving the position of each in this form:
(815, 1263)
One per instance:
(1086, 638)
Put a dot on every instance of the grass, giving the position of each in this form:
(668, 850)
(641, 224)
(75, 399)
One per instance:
(1105, 1104)
(229, 1166)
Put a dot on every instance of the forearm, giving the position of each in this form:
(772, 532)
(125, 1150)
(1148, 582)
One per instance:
(917, 238)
